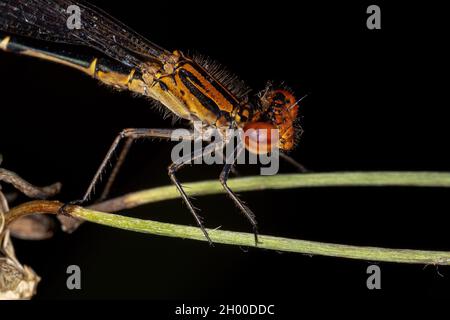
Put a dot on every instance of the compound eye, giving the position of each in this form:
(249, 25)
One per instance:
(260, 137)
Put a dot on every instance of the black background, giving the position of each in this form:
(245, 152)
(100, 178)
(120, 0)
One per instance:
(377, 101)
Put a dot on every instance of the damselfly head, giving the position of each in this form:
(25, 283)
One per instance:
(274, 125)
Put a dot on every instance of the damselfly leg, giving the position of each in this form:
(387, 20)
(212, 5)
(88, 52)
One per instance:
(117, 166)
(293, 162)
(297, 165)
(231, 159)
(174, 167)
(130, 135)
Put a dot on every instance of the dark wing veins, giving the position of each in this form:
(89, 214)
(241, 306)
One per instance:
(47, 20)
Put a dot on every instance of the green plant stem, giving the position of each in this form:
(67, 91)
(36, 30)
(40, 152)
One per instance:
(421, 179)
(280, 181)
(266, 242)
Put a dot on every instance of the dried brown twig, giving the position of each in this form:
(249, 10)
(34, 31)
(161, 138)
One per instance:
(19, 281)
(16, 281)
(27, 188)
(30, 227)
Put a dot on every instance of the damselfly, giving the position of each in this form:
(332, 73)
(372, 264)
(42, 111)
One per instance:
(190, 88)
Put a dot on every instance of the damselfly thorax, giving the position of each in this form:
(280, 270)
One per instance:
(191, 88)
